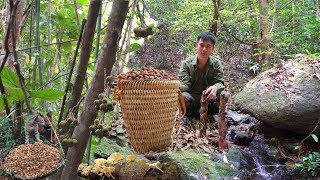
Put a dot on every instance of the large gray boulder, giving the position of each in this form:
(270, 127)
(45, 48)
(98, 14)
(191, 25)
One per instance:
(287, 97)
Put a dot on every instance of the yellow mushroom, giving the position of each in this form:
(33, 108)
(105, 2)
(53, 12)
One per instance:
(107, 171)
(82, 166)
(114, 158)
(142, 161)
(155, 166)
(86, 171)
(117, 156)
(96, 169)
(131, 158)
(100, 162)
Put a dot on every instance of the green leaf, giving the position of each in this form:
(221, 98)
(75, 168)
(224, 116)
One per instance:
(2, 105)
(298, 165)
(83, 2)
(16, 95)
(47, 94)
(315, 137)
(9, 78)
(134, 46)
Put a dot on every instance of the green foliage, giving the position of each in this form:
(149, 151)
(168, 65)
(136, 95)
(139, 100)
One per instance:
(315, 137)
(16, 95)
(9, 78)
(312, 55)
(187, 18)
(47, 94)
(6, 139)
(134, 46)
(310, 163)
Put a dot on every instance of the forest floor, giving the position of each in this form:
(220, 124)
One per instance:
(269, 143)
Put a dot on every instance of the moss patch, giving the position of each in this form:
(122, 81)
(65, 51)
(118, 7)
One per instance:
(107, 147)
(191, 162)
(253, 102)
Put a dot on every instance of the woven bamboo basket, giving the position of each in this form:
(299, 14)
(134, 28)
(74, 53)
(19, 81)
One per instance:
(149, 110)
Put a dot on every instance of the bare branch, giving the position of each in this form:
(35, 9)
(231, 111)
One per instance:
(25, 16)
(15, 58)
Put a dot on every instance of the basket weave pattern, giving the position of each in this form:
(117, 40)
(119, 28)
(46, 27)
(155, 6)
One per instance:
(149, 110)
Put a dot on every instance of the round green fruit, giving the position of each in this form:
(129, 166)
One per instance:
(101, 96)
(97, 121)
(96, 102)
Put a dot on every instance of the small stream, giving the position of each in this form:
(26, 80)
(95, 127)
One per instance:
(260, 159)
(261, 171)
(258, 164)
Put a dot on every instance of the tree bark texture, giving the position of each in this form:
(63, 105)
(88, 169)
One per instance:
(16, 28)
(222, 124)
(93, 13)
(214, 26)
(264, 37)
(105, 61)
(203, 114)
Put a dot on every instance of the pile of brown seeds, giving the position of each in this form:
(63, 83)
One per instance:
(29, 161)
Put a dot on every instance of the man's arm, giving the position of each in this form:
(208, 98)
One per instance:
(218, 82)
(184, 76)
(218, 76)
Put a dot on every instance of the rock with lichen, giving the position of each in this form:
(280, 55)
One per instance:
(287, 97)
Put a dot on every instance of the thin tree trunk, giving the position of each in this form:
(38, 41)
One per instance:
(85, 54)
(264, 37)
(30, 34)
(106, 59)
(318, 10)
(96, 54)
(70, 73)
(214, 27)
(40, 63)
(76, 11)
(293, 41)
(49, 38)
(16, 29)
(98, 29)
(127, 49)
(19, 121)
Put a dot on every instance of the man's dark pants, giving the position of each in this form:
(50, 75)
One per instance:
(193, 105)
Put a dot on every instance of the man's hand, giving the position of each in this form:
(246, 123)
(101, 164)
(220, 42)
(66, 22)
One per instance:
(211, 92)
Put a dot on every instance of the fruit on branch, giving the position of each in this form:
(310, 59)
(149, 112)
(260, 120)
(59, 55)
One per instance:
(103, 104)
(143, 32)
(98, 130)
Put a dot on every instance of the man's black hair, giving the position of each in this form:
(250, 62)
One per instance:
(207, 36)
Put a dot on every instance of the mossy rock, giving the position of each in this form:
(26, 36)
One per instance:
(192, 163)
(287, 98)
(108, 146)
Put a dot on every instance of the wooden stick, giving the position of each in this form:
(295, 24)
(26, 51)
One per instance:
(203, 114)
(222, 125)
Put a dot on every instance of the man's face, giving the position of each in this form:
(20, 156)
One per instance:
(204, 49)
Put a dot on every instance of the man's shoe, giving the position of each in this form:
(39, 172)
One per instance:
(215, 118)
(185, 120)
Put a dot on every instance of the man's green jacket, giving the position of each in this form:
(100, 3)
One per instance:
(213, 73)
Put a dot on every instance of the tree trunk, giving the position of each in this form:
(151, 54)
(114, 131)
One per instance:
(214, 26)
(93, 13)
(318, 10)
(18, 18)
(127, 48)
(106, 59)
(264, 38)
